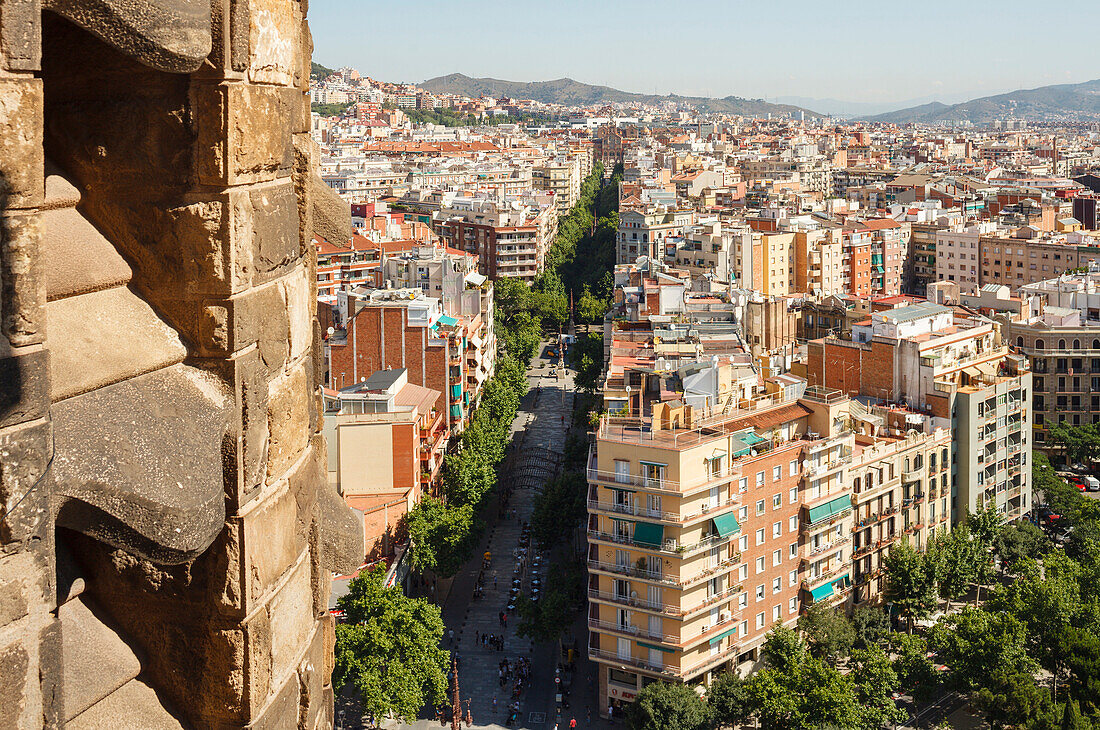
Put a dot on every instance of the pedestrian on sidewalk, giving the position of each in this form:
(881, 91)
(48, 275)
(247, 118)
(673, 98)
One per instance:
(573, 724)
(451, 636)
(477, 637)
(500, 618)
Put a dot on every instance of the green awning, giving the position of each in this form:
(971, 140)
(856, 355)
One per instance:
(447, 321)
(830, 508)
(647, 533)
(723, 635)
(658, 648)
(821, 592)
(726, 525)
(751, 438)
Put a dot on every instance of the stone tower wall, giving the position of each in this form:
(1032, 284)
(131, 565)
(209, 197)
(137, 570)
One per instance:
(202, 183)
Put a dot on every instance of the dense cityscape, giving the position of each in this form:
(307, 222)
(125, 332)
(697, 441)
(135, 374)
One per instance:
(820, 370)
(763, 395)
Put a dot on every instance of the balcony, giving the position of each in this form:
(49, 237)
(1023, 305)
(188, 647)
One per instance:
(912, 476)
(666, 486)
(635, 602)
(635, 510)
(640, 632)
(633, 571)
(663, 670)
(809, 552)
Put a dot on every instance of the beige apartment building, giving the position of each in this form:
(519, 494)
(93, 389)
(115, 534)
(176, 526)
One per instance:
(562, 177)
(819, 262)
(707, 530)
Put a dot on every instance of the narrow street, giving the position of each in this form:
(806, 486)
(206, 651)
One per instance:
(538, 439)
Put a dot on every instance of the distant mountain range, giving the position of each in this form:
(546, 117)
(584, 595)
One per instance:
(853, 109)
(568, 92)
(1076, 102)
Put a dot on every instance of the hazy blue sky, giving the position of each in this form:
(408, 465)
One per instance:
(855, 50)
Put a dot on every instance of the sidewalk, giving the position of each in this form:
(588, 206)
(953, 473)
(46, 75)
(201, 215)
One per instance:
(539, 424)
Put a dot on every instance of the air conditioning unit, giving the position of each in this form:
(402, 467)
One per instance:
(706, 508)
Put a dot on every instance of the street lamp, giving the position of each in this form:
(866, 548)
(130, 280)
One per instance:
(341, 716)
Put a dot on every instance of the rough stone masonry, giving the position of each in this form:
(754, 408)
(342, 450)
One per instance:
(167, 533)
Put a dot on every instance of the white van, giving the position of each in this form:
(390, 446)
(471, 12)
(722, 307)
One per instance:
(1092, 484)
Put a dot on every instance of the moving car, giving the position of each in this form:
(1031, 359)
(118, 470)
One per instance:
(1092, 484)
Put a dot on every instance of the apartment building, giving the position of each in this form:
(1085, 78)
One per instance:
(386, 441)
(643, 232)
(951, 365)
(764, 262)
(695, 528)
(923, 261)
(957, 255)
(1061, 339)
(706, 249)
(562, 177)
(384, 329)
(510, 238)
(1029, 255)
(819, 264)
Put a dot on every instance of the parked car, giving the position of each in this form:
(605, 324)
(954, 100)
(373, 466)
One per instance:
(1079, 468)
(1092, 484)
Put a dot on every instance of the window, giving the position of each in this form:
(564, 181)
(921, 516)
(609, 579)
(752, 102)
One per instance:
(760, 620)
(759, 506)
(792, 577)
(792, 524)
(777, 613)
(777, 473)
(777, 529)
(759, 478)
(744, 543)
(742, 515)
(760, 564)
(792, 496)
(744, 628)
(742, 600)
(777, 501)
(792, 605)
(760, 592)
(760, 536)
(743, 572)
(777, 557)
(794, 550)
(777, 585)
(792, 468)
(744, 484)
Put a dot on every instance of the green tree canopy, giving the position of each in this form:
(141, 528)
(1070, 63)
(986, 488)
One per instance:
(728, 698)
(910, 582)
(829, 633)
(668, 706)
(388, 649)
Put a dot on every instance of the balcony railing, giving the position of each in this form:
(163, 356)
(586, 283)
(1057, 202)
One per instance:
(638, 510)
(631, 630)
(633, 571)
(668, 486)
(636, 602)
(665, 670)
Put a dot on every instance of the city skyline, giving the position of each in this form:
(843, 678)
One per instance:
(523, 42)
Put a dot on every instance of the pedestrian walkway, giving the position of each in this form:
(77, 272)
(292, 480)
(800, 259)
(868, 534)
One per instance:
(540, 424)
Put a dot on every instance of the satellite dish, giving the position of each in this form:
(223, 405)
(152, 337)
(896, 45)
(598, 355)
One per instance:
(634, 594)
(331, 330)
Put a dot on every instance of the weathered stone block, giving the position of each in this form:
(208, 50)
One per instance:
(311, 682)
(273, 42)
(269, 314)
(22, 176)
(273, 215)
(24, 454)
(21, 35)
(281, 711)
(24, 387)
(22, 286)
(14, 665)
(271, 542)
(300, 294)
(25, 587)
(244, 132)
(287, 420)
(305, 479)
(291, 614)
